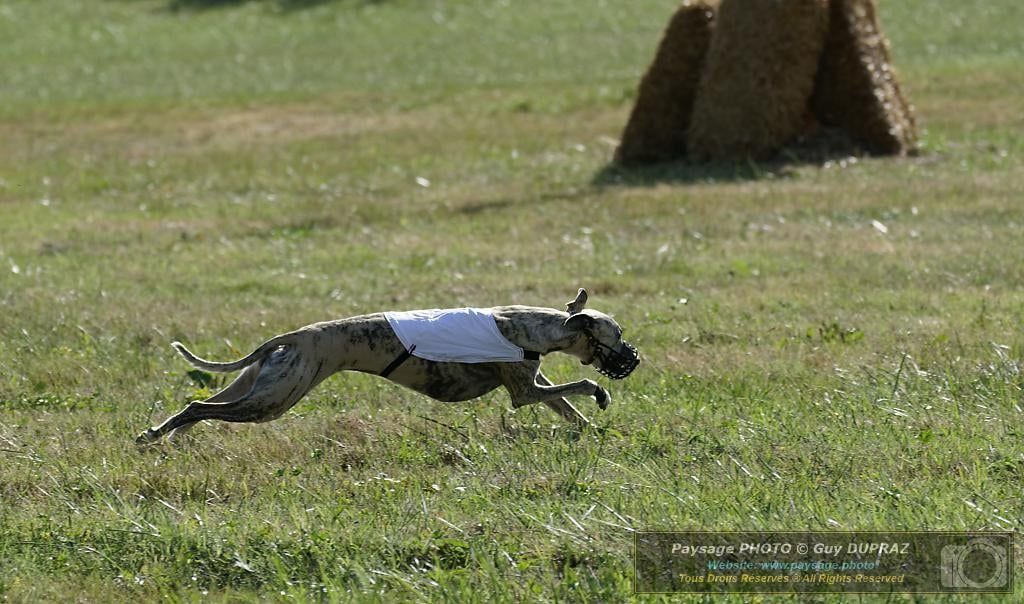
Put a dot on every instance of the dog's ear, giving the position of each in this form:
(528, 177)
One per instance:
(577, 305)
(579, 322)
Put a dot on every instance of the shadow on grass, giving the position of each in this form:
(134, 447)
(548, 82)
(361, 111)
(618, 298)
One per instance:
(817, 152)
(686, 172)
(828, 146)
(502, 203)
(281, 5)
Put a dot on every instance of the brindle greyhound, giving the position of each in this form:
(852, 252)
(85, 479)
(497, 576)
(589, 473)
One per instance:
(283, 369)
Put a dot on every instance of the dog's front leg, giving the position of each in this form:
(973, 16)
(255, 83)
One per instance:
(521, 381)
(563, 407)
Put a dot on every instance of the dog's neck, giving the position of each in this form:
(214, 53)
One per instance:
(536, 329)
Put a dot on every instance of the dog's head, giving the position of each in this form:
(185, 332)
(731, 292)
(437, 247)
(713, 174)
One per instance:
(603, 345)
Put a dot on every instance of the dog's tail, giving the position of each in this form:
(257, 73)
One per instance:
(249, 359)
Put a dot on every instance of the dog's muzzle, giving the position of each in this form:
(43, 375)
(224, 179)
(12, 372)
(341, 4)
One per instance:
(613, 363)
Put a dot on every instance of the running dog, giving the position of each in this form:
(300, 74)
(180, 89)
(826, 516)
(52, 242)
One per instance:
(449, 355)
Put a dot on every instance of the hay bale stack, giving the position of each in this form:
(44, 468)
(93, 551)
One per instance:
(856, 87)
(743, 78)
(657, 127)
(757, 81)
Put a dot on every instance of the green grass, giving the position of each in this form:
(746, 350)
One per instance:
(219, 175)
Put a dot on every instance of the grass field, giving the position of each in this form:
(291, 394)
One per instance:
(829, 346)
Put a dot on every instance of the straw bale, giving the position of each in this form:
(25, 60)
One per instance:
(755, 88)
(856, 86)
(656, 130)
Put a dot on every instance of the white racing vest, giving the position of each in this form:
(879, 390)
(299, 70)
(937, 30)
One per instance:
(453, 335)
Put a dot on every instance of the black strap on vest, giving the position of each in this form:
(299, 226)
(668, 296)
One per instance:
(528, 355)
(398, 361)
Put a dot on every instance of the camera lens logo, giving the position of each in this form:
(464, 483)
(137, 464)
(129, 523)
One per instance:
(980, 564)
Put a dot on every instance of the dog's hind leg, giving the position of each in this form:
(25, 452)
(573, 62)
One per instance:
(275, 386)
(246, 409)
(238, 388)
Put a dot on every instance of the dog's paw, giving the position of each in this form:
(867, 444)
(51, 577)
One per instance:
(148, 437)
(602, 397)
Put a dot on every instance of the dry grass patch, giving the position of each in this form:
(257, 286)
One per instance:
(145, 136)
